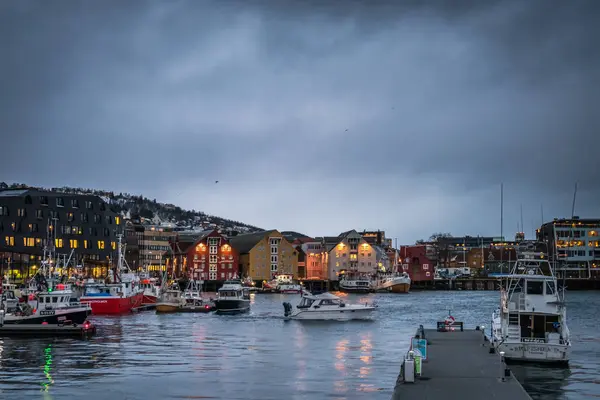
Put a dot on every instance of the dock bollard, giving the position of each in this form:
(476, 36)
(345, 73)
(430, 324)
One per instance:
(409, 368)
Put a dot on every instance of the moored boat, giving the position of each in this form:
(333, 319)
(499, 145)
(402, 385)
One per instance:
(51, 307)
(327, 306)
(530, 324)
(395, 283)
(170, 301)
(120, 297)
(355, 283)
(232, 298)
(150, 288)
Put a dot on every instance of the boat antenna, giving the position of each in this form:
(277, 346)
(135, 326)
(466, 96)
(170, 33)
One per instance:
(522, 226)
(571, 235)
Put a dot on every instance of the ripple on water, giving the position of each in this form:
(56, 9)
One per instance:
(259, 355)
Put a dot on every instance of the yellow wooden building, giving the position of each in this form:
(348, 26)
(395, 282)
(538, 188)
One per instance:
(265, 254)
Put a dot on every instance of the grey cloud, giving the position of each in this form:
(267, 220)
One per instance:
(153, 95)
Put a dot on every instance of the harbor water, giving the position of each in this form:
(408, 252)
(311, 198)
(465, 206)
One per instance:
(261, 356)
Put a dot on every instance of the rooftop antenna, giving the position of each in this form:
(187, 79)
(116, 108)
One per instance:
(542, 206)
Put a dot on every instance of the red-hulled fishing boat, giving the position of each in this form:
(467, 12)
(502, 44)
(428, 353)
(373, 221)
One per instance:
(119, 297)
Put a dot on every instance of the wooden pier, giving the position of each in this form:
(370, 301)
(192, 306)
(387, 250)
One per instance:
(459, 365)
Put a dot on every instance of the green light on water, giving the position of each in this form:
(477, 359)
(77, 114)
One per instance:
(47, 366)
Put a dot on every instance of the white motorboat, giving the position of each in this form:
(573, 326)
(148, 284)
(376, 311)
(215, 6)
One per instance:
(530, 324)
(327, 306)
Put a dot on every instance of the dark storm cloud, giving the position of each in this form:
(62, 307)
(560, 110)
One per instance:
(458, 96)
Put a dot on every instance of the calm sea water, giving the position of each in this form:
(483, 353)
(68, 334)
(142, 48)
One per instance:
(261, 356)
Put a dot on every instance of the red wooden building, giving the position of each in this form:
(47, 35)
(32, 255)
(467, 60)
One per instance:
(211, 257)
(414, 260)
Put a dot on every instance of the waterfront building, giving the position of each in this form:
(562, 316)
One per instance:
(211, 257)
(262, 255)
(154, 243)
(349, 252)
(416, 263)
(574, 244)
(376, 238)
(81, 224)
(491, 260)
(315, 265)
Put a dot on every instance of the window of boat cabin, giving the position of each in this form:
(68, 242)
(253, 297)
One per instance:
(535, 287)
(329, 302)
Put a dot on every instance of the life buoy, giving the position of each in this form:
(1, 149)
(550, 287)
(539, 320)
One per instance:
(449, 320)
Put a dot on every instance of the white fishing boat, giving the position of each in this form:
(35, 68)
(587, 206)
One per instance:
(327, 306)
(396, 283)
(531, 324)
(51, 307)
(285, 284)
(356, 283)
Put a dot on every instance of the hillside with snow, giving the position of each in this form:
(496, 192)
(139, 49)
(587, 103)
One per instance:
(149, 211)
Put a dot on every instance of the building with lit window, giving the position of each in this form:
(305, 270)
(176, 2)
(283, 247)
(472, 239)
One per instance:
(262, 255)
(154, 246)
(350, 252)
(83, 225)
(212, 258)
(574, 244)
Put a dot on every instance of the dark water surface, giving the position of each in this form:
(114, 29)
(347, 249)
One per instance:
(261, 356)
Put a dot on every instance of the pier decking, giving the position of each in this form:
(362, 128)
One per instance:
(460, 366)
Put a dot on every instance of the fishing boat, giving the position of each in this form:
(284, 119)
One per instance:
(120, 297)
(284, 283)
(170, 300)
(396, 283)
(327, 306)
(150, 288)
(232, 298)
(356, 283)
(530, 324)
(51, 307)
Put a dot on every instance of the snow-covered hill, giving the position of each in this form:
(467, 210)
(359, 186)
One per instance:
(149, 211)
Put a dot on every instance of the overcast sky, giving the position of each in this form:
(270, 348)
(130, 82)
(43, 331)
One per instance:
(315, 118)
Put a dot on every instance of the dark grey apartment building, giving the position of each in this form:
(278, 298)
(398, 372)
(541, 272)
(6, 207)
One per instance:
(84, 224)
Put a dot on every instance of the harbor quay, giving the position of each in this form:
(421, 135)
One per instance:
(455, 363)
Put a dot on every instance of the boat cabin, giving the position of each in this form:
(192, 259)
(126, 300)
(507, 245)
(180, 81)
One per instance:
(325, 299)
(233, 289)
(53, 300)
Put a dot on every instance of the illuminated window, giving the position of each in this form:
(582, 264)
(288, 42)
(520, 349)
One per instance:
(70, 216)
(58, 243)
(113, 245)
(101, 244)
(13, 226)
(117, 220)
(28, 242)
(353, 256)
(21, 212)
(10, 241)
(73, 243)
(86, 244)
(38, 241)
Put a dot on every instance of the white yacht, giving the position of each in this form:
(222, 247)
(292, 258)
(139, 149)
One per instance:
(327, 306)
(530, 324)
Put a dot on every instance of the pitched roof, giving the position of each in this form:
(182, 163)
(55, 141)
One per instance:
(244, 243)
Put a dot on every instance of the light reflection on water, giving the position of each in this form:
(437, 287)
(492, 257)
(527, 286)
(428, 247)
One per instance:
(261, 356)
